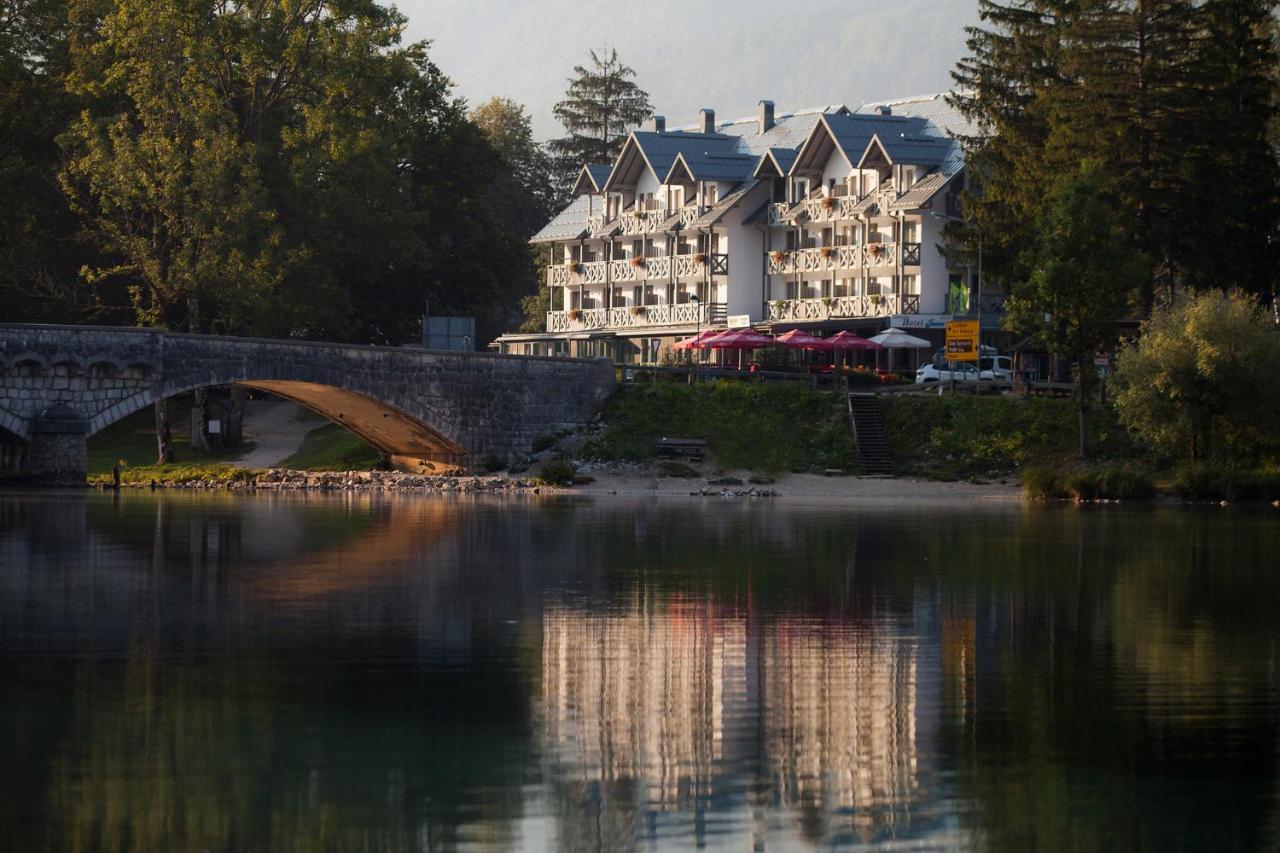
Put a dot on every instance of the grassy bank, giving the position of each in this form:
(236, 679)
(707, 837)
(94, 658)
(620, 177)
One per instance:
(133, 441)
(333, 448)
(763, 427)
(958, 436)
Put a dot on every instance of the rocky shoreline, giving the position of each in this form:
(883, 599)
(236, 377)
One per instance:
(280, 479)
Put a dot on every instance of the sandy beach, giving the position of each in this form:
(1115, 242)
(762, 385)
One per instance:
(888, 490)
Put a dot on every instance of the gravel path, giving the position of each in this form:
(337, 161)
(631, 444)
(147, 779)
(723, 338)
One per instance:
(277, 427)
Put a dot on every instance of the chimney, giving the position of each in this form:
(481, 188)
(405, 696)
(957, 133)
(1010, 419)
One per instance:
(658, 123)
(708, 120)
(885, 110)
(766, 115)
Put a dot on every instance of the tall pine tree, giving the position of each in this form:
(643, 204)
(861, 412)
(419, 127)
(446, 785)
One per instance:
(1237, 213)
(1001, 87)
(602, 105)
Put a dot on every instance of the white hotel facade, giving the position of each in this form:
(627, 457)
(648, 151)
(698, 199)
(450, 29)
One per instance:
(822, 220)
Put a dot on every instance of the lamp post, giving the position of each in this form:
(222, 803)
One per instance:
(697, 315)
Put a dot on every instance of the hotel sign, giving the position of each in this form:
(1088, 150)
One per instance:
(962, 340)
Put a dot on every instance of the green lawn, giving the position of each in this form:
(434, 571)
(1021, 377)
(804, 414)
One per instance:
(333, 448)
(765, 427)
(133, 440)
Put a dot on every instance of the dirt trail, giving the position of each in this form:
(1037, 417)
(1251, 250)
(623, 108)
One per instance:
(277, 427)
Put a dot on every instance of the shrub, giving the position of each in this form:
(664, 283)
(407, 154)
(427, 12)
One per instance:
(1109, 483)
(557, 472)
(1204, 377)
(1216, 483)
(1042, 483)
(1126, 484)
(547, 441)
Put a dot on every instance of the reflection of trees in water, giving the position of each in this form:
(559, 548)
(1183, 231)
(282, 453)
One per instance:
(1120, 657)
(333, 663)
(675, 709)
(239, 755)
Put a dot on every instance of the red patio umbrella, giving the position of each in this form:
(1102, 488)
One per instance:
(796, 339)
(700, 341)
(741, 339)
(848, 340)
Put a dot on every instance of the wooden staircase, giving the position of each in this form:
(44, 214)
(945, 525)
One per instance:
(868, 434)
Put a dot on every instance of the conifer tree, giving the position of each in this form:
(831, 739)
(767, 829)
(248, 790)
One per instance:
(1234, 168)
(601, 106)
(1001, 87)
(1129, 99)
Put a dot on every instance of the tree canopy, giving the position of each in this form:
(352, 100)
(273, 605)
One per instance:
(602, 105)
(278, 168)
(1173, 98)
(1204, 378)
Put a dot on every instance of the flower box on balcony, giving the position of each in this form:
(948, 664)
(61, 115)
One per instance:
(574, 314)
(700, 258)
(572, 266)
(876, 250)
(637, 262)
(826, 251)
(637, 310)
(828, 203)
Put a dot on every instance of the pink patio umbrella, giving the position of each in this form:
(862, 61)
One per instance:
(700, 341)
(742, 340)
(848, 340)
(796, 339)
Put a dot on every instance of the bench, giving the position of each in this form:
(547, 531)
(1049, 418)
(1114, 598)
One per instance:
(673, 447)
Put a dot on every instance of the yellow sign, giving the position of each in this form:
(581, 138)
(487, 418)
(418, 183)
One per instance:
(962, 340)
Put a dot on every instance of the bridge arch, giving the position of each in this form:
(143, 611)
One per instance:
(411, 403)
(385, 426)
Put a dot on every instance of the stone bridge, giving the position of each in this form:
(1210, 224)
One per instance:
(61, 384)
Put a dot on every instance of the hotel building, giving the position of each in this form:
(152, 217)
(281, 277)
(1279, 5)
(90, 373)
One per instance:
(823, 219)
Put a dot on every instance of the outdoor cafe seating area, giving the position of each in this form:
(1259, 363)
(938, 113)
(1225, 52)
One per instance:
(797, 351)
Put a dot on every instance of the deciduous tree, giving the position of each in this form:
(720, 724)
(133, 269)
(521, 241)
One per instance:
(1204, 377)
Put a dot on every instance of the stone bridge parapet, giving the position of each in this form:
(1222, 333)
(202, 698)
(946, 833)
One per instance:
(61, 384)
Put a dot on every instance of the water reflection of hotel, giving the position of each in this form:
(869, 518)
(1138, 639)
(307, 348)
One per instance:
(692, 700)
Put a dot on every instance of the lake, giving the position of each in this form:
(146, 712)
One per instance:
(352, 672)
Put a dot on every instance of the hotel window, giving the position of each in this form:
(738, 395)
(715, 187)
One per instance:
(713, 194)
(908, 177)
(911, 284)
(793, 289)
(800, 186)
(637, 295)
(910, 231)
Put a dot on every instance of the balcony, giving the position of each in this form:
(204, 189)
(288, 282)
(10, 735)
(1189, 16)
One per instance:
(664, 268)
(836, 258)
(648, 221)
(841, 308)
(685, 314)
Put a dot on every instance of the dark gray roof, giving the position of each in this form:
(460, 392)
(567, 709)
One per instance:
(914, 148)
(714, 166)
(921, 192)
(720, 156)
(720, 208)
(599, 173)
(568, 224)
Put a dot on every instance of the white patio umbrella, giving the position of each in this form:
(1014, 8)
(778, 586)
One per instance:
(894, 338)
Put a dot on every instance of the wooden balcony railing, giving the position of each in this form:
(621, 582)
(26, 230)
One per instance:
(841, 308)
(686, 314)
